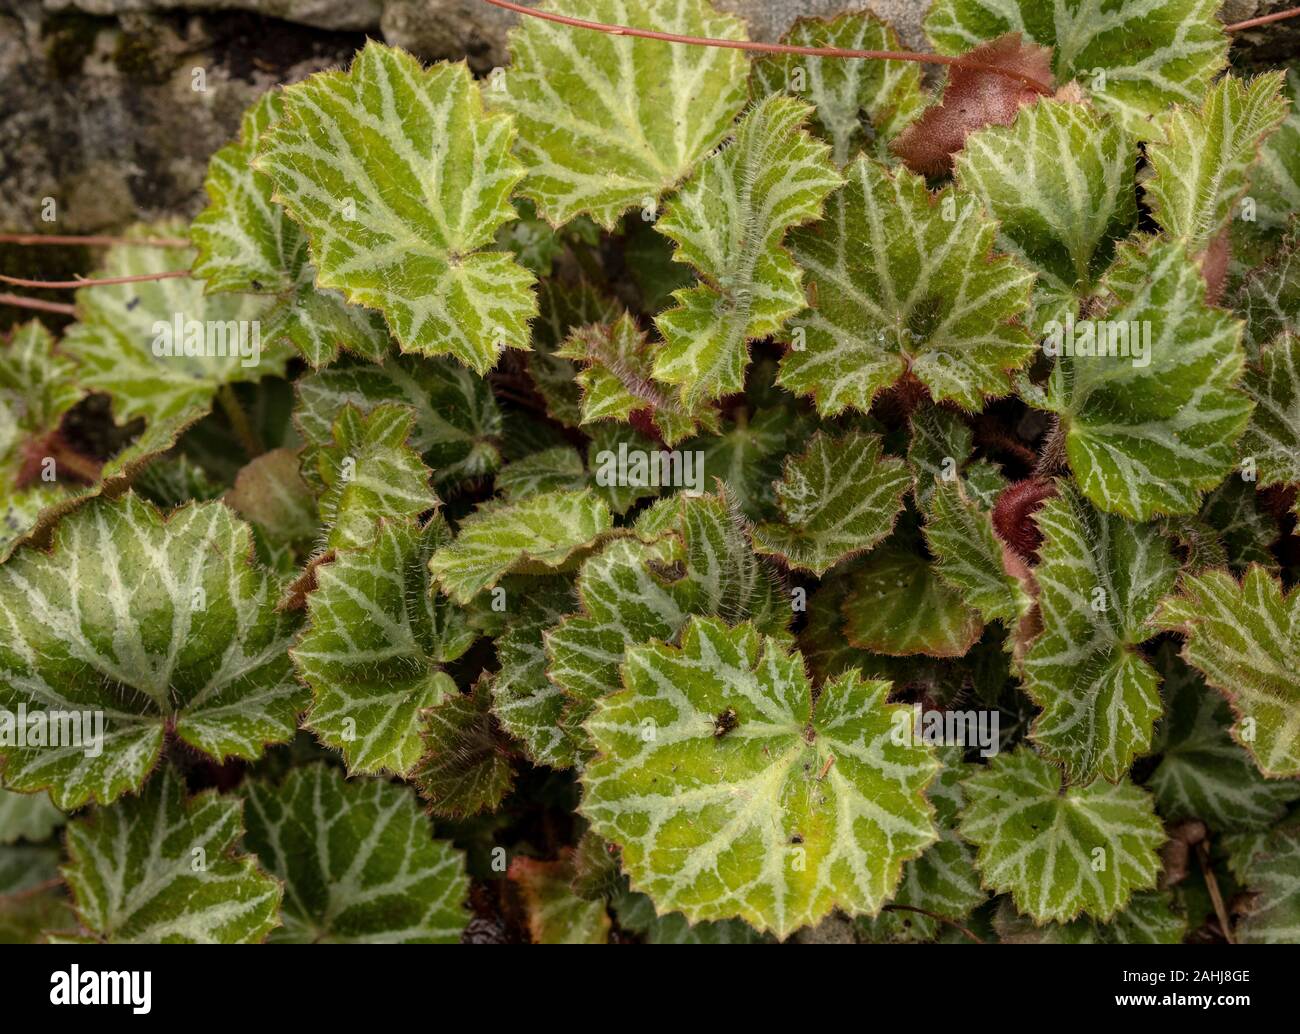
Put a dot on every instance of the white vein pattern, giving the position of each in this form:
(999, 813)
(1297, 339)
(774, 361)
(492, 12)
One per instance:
(429, 176)
(1059, 852)
(608, 123)
(156, 624)
(728, 222)
(135, 874)
(1100, 580)
(358, 861)
(757, 823)
(372, 650)
(840, 498)
(898, 286)
(1147, 440)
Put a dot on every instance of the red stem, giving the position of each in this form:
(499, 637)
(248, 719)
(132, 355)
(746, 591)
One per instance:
(84, 282)
(775, 48)
(1266, 19)
(19, 302)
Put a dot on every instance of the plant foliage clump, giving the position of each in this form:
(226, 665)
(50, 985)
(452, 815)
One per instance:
(654, 493)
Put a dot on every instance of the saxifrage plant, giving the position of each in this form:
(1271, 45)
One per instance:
(659, 493)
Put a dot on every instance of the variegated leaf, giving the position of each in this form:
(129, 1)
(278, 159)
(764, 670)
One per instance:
(1060, 850)
(1100, 580)
(733, 795)
(860, 104)
(162, 349)
(1148, 428)
(457, 421)
(1244, 637)
(399, 181)
(368, 473)
(544, 531)
(1270, 448)
(1061, 216)
(374, 644)
(839, 498)
(1274, 874)
(246, 242)
(466, 767)
(1201, 162)
(133, 875)
(943, 881)
(609, 122)
(357, 859)
(1149, 53)
(151, 624)
(728, 222)
(902, 281)
(1202, 774)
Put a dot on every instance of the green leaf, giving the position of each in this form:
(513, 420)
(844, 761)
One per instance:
(839, 498)
(1148, 439)
(457, 422)
(1100, 580)
(926, 296)
(246, 242)
(563, 308)
(270, 493)
(715, 777)
(636, 912)
(1268, 297)
(1201, 165)
(551, 470)
(748, 452)
(37, 388)
(27, 816)
(157, 625)
(1272, 440)
(1060, 850)
(544, 532)
(607, 122)
(971, 558)
(1202, 774)
(374, 644)
(1059, 216)
(1276, 179)
(527, 703)
(399, 181)
(1153, 52)
(356, 859)
(1150, 918)
(466, 767)
(898, 605)
(728, 222)
(556, 915)
(1274, 874)
(124, 327)
(1244, 637)
(634, 592)
(617, 380)
(943, 881)
(886, 93)
(941, 450)
(133, 873)
(369, 473)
